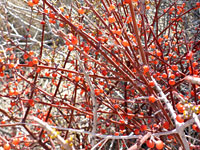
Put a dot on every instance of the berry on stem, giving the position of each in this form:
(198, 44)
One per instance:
(146, 69)
(159, 144)
(152, 99)
(6, 146)
(179, 118)
(166, 125)
(150, 143)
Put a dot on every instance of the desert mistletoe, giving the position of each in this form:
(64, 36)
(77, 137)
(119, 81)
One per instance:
(100, 74)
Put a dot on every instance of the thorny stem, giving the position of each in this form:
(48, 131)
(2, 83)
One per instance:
(142, 53)
(180, 131)
(94, 101)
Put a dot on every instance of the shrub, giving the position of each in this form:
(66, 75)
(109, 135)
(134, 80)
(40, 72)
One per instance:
(100, 74)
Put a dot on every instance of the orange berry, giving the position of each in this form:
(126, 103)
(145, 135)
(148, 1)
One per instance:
(81, 11)
(164, 75)
(46, 11)
(112, 7)
(125, 43)
(111, 19)
(25, 56)
(166, 125)
(158, 53)
(31, 102)
(116, 106)
(189, 55)
(11, 65)
(74, 40)
(171, 82)
(179, 118)
(166, 36)
(35, 61)
(118, 32)
(174, 67)
(180, 107)
(62, 25)
(194, 127)
(170, 137)
(26, 144)
(15, 141)
(42, 22)
(148, 7)
(103, 71)
(143, 127)
(122, 121)
(62, 9)
(69, 75)
(70, 47)
(159, 144)
(3, 122)
(77, 78)
(54, 75)
(152, 99)
(146, 68)
(151, 83)
(198, 4)
(127, 1)
(6, 146)
(137, 131)
(30, 3)
(116, 133)
(194, 64)
(31, 53)
(153, 46)
(47, 74)
(97, 92)
(150, 143)
(35, 1)
(172, 76)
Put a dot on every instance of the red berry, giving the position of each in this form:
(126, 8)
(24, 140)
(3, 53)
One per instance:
(127, 1)
(166, 125)
(180, 107)
(150, 143)
(198, 4)
(35, 1)
(143, 127)
(54, 75)
(125, 43)
(35, 61)
(97, 92)
(77, 78)
(81, 11)
(42, 22)
(151, 83)
(116, 106)
(179, 118)
(31, 102)
(111, 19)
(164, 75)
(137, 131)
(172, 82)
(195, 127)
(152, 99)
(189, 55)
(70, 47)
(174, 67)
(6, 146)
(159, 144)
(15, 141)
(70, 75)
